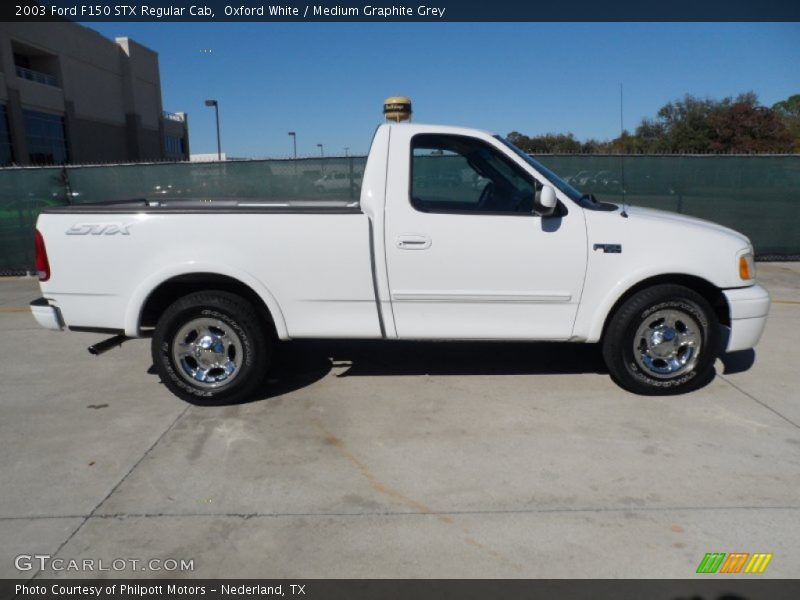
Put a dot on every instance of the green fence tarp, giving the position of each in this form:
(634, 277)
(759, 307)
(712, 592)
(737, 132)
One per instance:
(303, 179)
(758, 195)
(23, 193)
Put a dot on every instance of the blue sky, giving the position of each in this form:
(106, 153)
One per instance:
(327, 81)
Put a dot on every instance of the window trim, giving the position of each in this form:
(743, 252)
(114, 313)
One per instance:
(33, 141)
(6, 124)
(560, 208)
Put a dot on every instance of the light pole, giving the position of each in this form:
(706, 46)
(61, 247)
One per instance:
(215, 104)
(346, 151)
(321, 159)
(294, 142)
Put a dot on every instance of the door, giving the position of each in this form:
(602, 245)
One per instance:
(467, 256)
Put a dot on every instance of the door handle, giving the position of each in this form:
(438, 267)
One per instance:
(413, 241)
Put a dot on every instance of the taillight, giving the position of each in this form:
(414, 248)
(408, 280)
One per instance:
(42, 264)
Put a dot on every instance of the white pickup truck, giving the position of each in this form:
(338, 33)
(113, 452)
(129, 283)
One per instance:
(458, 235)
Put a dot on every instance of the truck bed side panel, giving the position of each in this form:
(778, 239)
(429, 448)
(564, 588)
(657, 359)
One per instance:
(316, 267)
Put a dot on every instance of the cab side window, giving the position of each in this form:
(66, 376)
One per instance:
(453, 173)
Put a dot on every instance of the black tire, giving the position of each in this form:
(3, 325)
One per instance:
(647, 345)
(235, 334)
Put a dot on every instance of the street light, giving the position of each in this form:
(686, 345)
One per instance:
(215, 104)
(294, 142)
(321, 159)
(346, 151)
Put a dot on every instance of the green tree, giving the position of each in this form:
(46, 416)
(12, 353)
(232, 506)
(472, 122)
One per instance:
(692, 125)
(745, 127)
(699, 125)
(789, 108)
(685, 125)
(626, 144)
(652, 136)
(593, 146)
(549, 143)
(789, 111)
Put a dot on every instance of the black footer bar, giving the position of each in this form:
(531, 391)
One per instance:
(388, 589)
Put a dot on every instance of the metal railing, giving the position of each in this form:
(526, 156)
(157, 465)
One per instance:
(37, 76)
(170, 116)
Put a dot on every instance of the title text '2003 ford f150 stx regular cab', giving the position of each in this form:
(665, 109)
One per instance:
(458, 235)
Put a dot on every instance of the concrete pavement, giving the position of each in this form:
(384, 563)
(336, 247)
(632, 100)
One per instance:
(398, 460)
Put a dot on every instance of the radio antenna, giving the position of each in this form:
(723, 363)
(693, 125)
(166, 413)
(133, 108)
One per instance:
(621, 156)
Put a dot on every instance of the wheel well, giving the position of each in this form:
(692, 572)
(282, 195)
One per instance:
(171, 290)
(708, 290)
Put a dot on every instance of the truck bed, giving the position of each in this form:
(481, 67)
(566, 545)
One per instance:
(311, 261)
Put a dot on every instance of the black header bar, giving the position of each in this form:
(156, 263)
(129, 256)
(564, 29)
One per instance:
(401, 11)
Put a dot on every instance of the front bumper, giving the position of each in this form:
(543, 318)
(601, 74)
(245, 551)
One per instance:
(748, 310)
(47, 316)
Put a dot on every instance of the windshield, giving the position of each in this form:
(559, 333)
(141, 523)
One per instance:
(562, 185)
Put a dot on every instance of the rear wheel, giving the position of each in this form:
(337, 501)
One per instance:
(211, 347)
(662, 340)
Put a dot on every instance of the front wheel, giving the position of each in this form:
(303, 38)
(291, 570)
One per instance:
(211, 348)
(662, 340)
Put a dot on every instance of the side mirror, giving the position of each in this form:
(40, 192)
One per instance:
(546, 202)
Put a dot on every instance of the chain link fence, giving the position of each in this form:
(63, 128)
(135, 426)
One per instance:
(758, 195)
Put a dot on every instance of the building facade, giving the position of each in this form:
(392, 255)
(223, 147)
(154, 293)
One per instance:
(70, 95)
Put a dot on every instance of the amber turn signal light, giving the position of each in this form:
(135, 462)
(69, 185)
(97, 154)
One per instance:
(745, 266)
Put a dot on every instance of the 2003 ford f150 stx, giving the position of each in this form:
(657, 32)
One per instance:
(458, 235)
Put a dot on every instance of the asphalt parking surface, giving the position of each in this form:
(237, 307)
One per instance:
(398, 460)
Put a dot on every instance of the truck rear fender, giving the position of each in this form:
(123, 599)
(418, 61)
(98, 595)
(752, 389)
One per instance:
(195, 272)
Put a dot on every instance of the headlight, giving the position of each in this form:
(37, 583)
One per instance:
(747, 269)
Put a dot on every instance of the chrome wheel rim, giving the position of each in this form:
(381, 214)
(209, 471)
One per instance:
(207, 353)
(667, 344)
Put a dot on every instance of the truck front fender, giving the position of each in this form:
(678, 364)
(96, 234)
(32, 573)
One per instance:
(596, 307)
